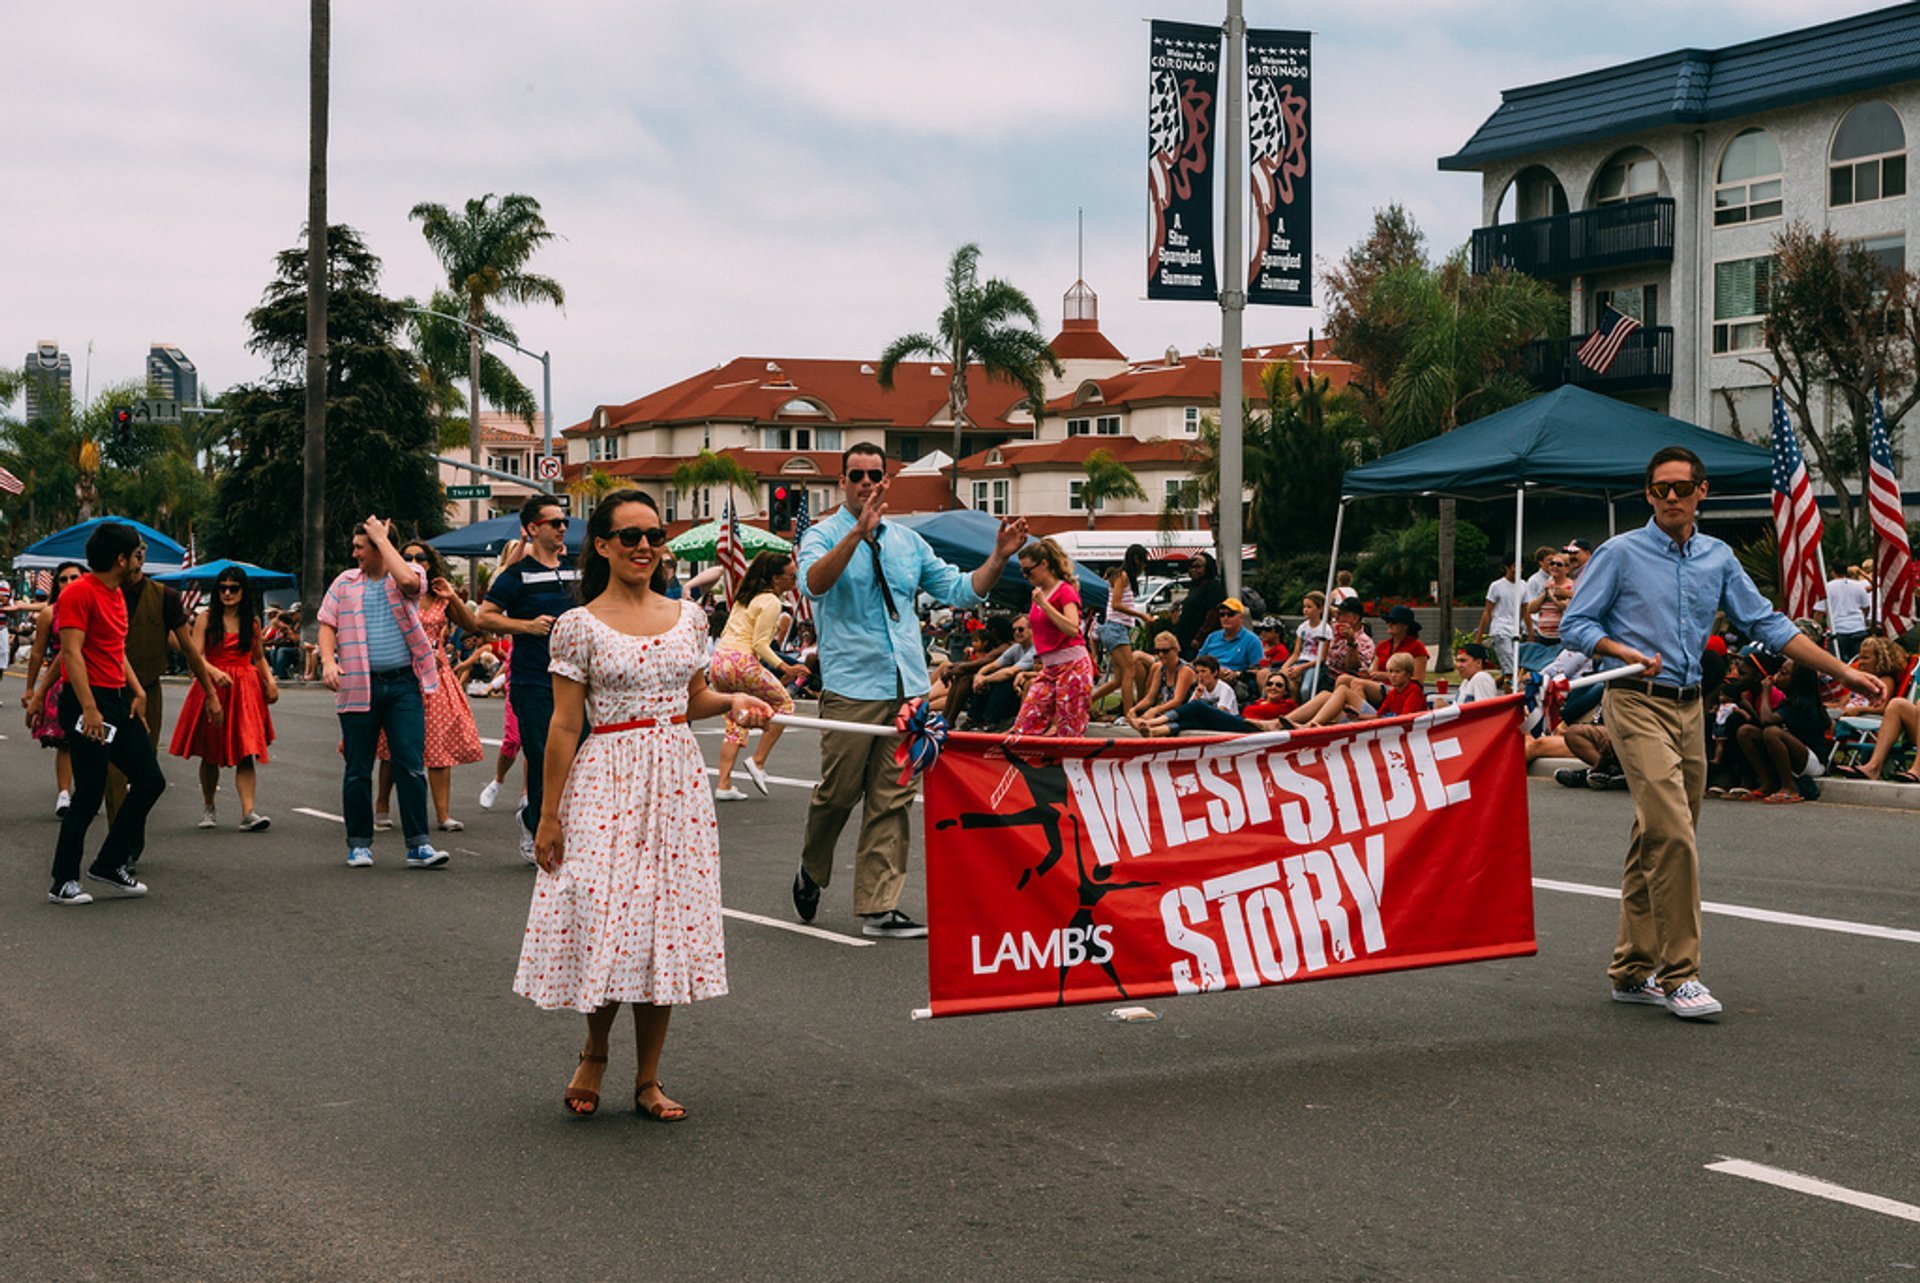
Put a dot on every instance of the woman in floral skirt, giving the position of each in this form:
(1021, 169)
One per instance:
(626, 907)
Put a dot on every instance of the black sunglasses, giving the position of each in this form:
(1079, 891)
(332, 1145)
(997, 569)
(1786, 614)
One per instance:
(231, 587)
(421, 559)
(558, 523)
(630, 536)
(1668, 489)
(857, 475)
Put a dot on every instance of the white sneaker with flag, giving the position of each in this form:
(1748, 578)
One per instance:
(1692, 1001)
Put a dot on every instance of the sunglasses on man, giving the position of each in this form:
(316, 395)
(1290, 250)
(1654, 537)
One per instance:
(857, 475)
(558, 523)
(1669, 489)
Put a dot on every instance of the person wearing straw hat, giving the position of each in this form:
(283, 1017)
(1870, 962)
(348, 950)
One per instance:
(862, 574)
(1649, 597)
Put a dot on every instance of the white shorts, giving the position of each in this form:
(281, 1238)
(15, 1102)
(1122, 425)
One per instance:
(1814, 768)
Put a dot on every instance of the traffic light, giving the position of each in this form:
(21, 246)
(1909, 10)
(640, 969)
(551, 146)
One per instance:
(780, 512)
(122, 424)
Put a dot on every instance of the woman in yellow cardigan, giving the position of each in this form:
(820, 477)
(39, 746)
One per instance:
(740, 664)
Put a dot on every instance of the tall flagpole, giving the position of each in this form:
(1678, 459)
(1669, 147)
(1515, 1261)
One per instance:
(1233, 304)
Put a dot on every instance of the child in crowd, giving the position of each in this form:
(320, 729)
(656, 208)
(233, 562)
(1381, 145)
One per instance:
(1787, 743)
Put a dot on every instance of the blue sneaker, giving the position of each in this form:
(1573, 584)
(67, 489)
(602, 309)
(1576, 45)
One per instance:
(425, 856)
(359, 857)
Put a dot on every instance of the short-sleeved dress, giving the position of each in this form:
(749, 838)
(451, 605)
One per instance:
(633, 912)
(452, 738)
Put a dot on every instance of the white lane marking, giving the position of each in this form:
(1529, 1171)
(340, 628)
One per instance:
(489, 743)
(799, 929)
(1840, 925)
(1814, 1186)
(788, 780)
(319, 815)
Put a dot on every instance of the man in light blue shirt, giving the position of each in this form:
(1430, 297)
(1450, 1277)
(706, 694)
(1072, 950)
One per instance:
(1235, 646)
(1649, 597)
(862, 576)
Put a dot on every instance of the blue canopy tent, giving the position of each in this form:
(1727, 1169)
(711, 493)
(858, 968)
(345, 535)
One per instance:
(487, 538)
(71, 545)
(966, 537)
(204, 575)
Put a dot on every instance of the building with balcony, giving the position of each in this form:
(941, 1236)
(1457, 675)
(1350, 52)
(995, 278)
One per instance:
(49, 376)
(1657, 187)
(170, 374)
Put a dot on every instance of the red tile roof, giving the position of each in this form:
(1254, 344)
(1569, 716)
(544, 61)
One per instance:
(753, 389)
(1072, 453)
(1082, 340)
(1197, 379)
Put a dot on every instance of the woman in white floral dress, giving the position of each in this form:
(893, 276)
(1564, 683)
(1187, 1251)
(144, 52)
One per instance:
(626, 907)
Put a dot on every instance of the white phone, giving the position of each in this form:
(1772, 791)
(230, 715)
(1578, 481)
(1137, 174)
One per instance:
(112, 731)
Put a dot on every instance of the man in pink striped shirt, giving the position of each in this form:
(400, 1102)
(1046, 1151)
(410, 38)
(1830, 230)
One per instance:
(376, 658)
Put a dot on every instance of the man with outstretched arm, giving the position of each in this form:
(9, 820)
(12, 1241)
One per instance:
(1649, 597)
(863, 575)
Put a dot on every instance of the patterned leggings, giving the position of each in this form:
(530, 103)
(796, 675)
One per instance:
(739, 671)
(1058, 700)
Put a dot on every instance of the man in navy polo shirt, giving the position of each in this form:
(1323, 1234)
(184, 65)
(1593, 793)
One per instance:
(525, 599)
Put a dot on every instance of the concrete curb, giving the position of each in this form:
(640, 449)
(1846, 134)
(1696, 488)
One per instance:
(1905, 797)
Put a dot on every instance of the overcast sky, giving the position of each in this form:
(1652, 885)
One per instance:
(730, 177)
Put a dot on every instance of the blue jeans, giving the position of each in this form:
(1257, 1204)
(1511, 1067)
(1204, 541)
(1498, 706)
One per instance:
(533, 709)
(397, 709)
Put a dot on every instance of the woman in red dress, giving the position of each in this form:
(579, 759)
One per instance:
(452, 738)
(235, 731)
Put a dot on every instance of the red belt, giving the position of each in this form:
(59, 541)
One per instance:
(639, 724)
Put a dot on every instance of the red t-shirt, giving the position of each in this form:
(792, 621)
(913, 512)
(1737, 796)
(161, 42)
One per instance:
(100, 612)
(1411, 698)
(1277, 654)
(1047, 638)
(1386, 649)
(1268, 709)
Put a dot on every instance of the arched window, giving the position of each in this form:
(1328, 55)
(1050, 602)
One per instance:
(1533, 193)
(1869, 157)
(1747, 187)
(1631, 175)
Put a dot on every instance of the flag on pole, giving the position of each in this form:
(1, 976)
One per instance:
(730, 551)
(802, 521)
(1796, 521)
(1604, 344)
(10, 483)
(190, 598)
(1893, 570)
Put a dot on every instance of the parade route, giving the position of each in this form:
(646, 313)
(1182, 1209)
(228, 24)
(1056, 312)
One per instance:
(274, 1066)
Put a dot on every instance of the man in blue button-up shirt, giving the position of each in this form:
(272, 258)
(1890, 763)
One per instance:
(1648, 597)
(863, 575)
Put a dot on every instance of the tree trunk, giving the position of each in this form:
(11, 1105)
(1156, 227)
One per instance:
(474, 315)
(957, 395)
(1442, 651)
(313, 489)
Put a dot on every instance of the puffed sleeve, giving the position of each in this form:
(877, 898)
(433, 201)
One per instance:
(570, 646)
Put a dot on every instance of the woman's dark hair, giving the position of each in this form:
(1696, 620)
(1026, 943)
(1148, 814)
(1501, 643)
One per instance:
(217, 610)
(1211, 568)
(594, 570)
(1713, 673)
(53, 594)
(1803, 686)
(1134, 564)
(760, 576)
(436, 564)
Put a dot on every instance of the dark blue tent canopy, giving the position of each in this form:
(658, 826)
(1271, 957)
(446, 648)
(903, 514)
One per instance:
(71, 545)
(207, 572)
(966, 537)
(1570, 439)
(487, 538)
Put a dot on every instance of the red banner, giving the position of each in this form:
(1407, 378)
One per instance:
(1070, 871)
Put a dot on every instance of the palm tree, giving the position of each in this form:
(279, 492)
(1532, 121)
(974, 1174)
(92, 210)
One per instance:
(443, 349)
(484, 250)
(1464, 334)
(592, 485)
(979, 326)
(1107, 478)
(710, 469)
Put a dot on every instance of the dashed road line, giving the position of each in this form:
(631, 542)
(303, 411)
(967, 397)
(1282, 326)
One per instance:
(1804, 920)
(799, 929)
(320, 815)
(1780, 1177)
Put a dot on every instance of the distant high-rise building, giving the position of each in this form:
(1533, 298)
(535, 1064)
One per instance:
(171, 374)
(49, 373)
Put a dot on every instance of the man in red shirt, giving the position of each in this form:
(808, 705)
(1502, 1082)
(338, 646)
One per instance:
(101, 711)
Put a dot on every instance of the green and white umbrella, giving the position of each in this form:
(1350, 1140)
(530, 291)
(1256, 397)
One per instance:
(700, 543)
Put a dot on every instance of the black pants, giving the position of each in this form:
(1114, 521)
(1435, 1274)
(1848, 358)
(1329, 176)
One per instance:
(533, 709)
(132, 752)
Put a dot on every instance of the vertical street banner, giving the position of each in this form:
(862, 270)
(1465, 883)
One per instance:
(1281, 268)
(1078, 871)
(1182, 106)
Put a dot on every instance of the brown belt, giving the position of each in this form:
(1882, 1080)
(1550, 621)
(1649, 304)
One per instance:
(1658, 690)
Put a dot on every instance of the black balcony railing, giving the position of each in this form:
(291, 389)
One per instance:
(1639, 231)
(1645, 363)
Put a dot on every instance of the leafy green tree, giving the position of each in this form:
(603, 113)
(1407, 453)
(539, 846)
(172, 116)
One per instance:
(981, 325)
(710, 469)
(380, 433)
(1463, 335)
(1107, 478)
(1374, 340)
(484, 250)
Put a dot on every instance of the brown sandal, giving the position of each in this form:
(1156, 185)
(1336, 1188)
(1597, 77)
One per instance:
(591, 1099)
(663, 1113)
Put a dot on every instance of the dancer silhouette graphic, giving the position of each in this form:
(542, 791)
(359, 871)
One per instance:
(1048, 788)
(1094, 887)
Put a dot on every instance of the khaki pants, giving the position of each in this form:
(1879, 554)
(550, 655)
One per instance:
(853, 767)
(155, 719)
(1662, 750)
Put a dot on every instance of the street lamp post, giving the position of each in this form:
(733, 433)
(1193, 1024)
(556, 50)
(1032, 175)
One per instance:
(546, 371)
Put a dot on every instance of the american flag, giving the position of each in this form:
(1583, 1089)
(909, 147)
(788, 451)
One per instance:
(10, 483)
(191, 597)
(730, 551)
(43, 581)
(1604, 344)
(1796, 521)
(802, 520)
(1893, 569)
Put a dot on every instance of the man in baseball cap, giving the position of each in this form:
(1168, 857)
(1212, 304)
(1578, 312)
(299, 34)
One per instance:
(1579, 552)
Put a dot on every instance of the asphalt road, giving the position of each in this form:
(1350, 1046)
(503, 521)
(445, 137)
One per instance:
(274, 1067)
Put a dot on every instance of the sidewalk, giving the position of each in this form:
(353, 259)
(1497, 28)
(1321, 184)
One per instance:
(1844, 791)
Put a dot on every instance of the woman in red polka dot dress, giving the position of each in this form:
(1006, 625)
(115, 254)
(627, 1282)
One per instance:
(626, 907)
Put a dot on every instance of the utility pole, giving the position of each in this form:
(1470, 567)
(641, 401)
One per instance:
(313, 490)
(1233, 303)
